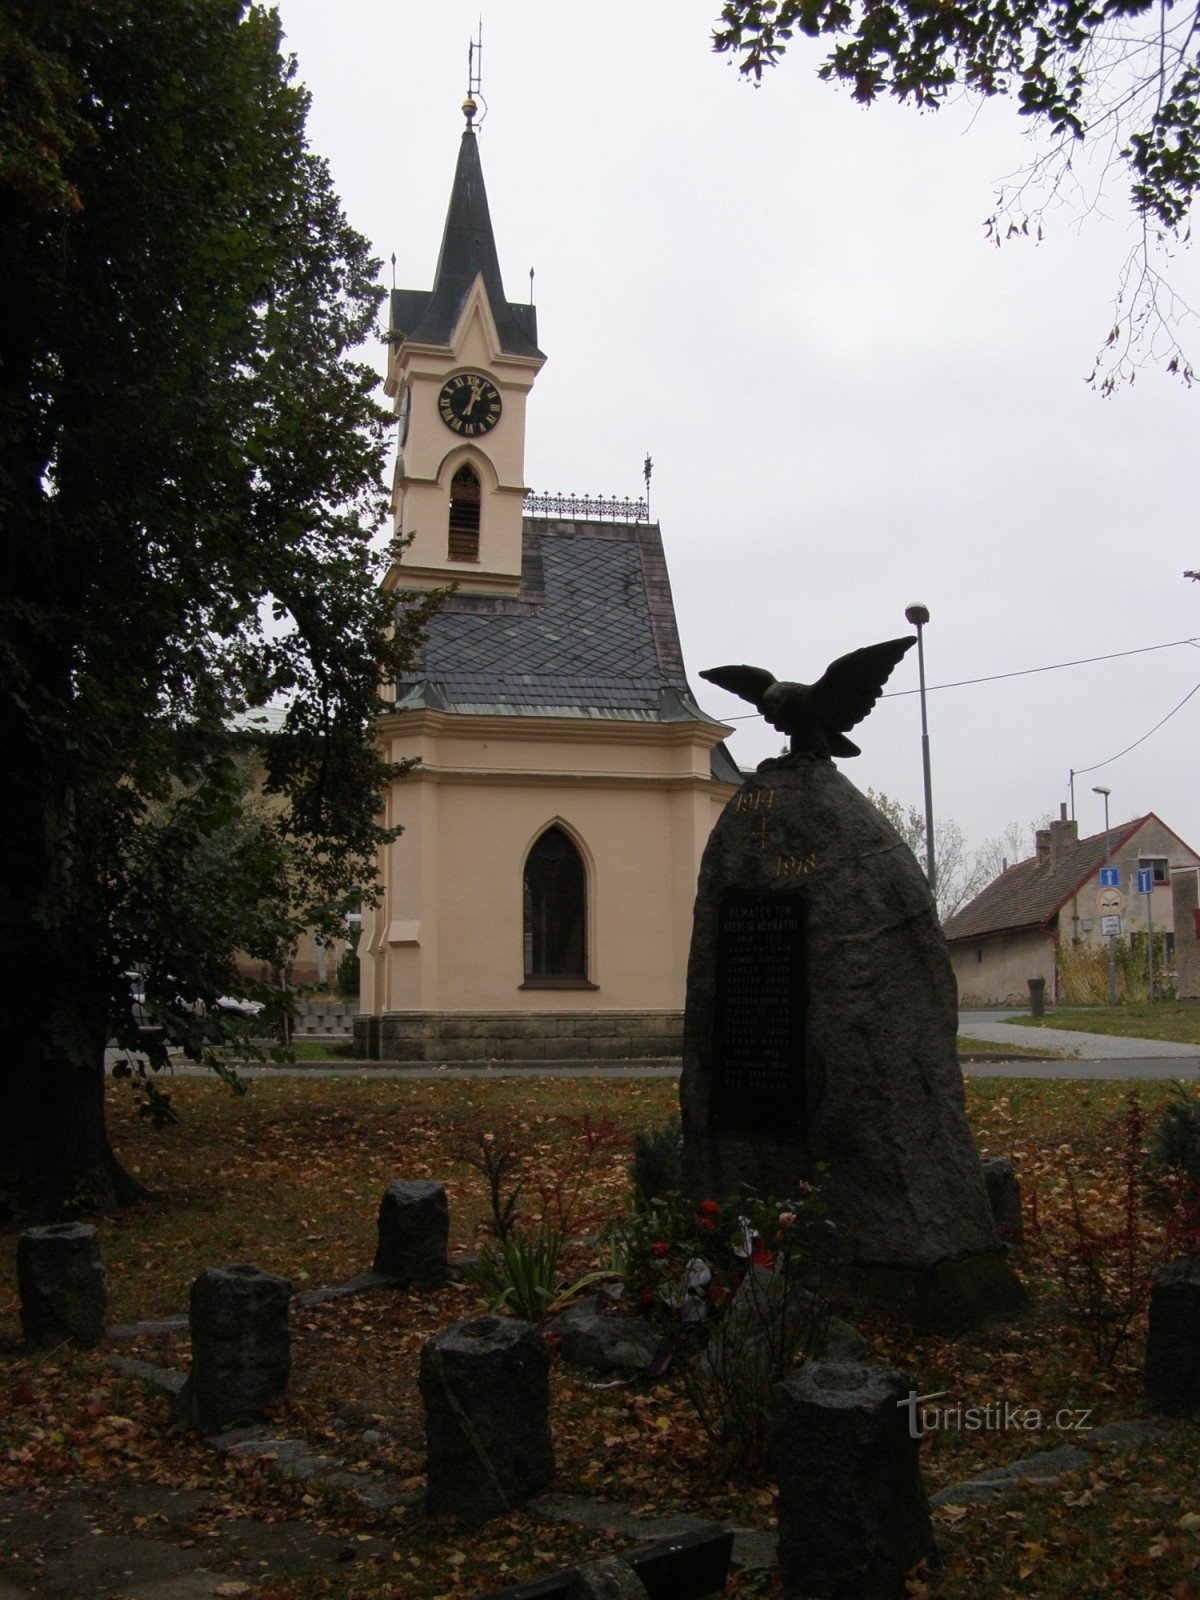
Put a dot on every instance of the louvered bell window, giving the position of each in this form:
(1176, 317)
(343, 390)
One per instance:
(465, 506)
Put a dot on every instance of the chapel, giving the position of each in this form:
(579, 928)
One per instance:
(538, 904)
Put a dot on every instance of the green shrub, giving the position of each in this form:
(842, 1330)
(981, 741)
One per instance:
(1083, 971)
(1173, 1145)
(348, 975)
(657, 1167)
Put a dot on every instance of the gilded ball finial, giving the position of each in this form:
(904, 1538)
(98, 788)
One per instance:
(469, 109)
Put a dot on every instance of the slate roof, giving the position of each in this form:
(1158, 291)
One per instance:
(1030, 893)
(468, 249)
(592, 635)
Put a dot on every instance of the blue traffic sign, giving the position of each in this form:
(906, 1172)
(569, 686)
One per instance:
(1145, 880)
(1110, 877)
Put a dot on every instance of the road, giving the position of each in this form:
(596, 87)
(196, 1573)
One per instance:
(1091, 1055)
(1086, 1056)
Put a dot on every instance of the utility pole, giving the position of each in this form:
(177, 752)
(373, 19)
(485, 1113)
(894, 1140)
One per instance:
(1112, 951)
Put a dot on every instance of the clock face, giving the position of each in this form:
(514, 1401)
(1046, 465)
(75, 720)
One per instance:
(469, 404)
(405, 408)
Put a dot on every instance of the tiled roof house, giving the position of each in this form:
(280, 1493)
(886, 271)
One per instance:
(1010, 932)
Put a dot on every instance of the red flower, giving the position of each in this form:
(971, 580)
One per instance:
(661, 1248)
(647, 1296)
(704, 1222)
(709, 1208)
(761, 1254)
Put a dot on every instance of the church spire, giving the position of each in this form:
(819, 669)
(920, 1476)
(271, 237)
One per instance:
(469, 251)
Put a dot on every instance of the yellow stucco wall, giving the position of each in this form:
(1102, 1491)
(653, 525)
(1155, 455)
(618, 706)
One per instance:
(637, 800)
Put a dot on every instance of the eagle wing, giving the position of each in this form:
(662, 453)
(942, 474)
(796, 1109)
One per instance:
(853, 683)
(749, 682)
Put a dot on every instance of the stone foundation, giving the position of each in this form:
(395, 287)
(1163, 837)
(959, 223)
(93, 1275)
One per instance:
(519, 1036)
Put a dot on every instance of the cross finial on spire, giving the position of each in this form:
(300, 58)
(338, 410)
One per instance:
(474, 76)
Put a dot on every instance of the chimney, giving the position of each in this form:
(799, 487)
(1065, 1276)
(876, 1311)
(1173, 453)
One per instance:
(1064, 836)
(1041, 844)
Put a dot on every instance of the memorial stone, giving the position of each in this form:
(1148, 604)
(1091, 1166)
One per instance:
(61, 1284)
(414, 1228)
(820, 1043)
(241, 1347)
(1173, 1339)
(853, 1515)
(485, 1384)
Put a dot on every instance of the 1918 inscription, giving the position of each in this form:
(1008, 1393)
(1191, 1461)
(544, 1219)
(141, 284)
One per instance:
(759, 1079)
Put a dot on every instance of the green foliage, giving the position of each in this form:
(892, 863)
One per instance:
(1173, 1145)
(191, 471)
(1083, 971)
(520, 1274)
(348, 973)
(1126, 76)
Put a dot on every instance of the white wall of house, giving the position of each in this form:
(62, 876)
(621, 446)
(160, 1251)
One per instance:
(996, 971)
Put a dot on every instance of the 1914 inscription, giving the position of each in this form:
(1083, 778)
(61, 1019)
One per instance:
(758, 1054)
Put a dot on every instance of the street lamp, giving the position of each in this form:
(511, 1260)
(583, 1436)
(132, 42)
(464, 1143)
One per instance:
(1112, 952)
(918, 615)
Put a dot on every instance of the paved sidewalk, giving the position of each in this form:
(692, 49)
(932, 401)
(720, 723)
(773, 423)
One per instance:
(991, 1027)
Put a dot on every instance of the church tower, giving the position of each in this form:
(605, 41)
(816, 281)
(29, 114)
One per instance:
(538, 902)
(461, 362)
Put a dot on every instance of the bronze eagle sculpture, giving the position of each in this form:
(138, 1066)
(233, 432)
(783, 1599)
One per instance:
(817, 716)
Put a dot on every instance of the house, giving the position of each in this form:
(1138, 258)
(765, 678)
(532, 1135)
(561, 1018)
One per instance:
(539, 900)
(1012, 929)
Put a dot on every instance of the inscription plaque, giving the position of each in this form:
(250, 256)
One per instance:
(758, 1047)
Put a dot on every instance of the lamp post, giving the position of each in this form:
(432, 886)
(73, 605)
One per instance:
(1112, 953)
(918, 615)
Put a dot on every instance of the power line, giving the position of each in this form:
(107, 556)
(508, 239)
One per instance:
(1027, 672)
(1056, 666)
(1079, 771)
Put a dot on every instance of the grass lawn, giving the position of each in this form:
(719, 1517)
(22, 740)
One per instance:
(1177, 1020)
(289, 1178)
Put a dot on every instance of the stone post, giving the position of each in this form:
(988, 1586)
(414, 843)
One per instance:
(610, 1579)
(1173, 1341)
(241, 1348)
(414, 1227)
(486, 1388)
(1004, 1196)
(853, 1517)
(61, 1283)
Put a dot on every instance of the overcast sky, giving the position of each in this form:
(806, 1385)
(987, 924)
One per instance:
(852, 400)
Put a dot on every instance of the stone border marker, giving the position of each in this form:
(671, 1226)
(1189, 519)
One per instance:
(486, 1388)
(1004, 1196)
(414, 1230)
(853, 1516)
(62, 1287)
(1173, 1341)
(241, 1347)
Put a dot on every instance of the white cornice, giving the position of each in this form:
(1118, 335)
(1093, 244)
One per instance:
(536, 730)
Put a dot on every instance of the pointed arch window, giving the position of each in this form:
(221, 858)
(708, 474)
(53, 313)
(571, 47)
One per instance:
(555, 913)
(466, 501)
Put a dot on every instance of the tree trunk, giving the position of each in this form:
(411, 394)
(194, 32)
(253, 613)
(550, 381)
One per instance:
(55, 1158)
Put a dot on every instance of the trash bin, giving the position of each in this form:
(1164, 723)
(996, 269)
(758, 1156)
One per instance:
(1037, 997)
